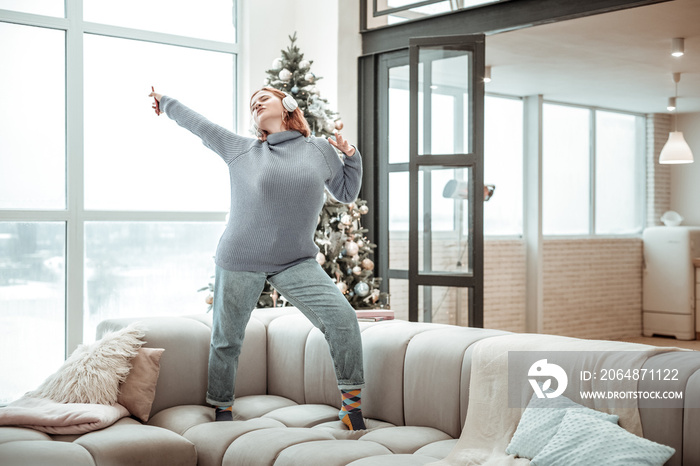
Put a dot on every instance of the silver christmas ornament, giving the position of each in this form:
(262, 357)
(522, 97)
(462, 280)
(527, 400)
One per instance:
(362, 289)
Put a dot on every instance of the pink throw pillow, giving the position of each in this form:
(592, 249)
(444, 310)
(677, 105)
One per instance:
(139, 389)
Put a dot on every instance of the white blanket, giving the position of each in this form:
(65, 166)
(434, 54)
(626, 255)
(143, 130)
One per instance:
(60, 418)
(491, 423)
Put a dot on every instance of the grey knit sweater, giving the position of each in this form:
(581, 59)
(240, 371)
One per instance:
(276, 191)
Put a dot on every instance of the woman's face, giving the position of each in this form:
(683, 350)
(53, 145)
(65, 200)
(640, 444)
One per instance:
(267, 110)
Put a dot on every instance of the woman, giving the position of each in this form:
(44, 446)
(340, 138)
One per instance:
(277, 190)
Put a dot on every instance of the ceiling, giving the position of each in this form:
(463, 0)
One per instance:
(618, 60)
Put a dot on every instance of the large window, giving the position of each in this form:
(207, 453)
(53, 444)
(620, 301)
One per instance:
(105, 209)
(593, 171)
(503, 165)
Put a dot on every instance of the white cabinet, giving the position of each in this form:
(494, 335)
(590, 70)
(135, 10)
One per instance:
(669, 283)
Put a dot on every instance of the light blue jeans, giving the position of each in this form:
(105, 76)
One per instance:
(307, 287)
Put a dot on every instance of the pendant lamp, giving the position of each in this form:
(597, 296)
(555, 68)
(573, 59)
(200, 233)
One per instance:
(676, 149)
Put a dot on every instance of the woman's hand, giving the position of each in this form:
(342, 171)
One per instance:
(156, 102)
(342, 145)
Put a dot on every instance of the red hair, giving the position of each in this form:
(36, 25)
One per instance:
(293, 121)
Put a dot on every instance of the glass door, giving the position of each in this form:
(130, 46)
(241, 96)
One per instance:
(446, 179)
(429, 132)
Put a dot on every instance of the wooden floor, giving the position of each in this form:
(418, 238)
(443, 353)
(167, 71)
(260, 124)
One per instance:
(663, 341)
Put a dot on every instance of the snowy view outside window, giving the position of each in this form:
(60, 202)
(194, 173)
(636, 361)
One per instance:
(98, 195)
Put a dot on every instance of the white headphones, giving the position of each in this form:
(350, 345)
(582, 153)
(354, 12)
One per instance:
(289, 103)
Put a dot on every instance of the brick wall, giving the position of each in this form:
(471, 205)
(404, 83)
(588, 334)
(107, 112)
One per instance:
(658, 176)
(504, 284)
(592, 288)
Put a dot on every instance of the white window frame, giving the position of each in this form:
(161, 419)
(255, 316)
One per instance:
(75, 216)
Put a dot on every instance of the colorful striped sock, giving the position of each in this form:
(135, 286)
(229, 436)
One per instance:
(351, 411)
(224, 413)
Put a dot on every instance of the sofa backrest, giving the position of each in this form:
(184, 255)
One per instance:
(414, 371)
(183, 375)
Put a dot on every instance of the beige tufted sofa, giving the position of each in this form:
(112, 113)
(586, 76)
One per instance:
(287, 401)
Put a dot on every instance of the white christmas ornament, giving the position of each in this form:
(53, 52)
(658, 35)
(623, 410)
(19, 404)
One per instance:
(343, 287)
(351, 248)
(357, 270)
(320, 258)
(304, 64)
(309, 77)
(276, 63)
(346, 219)
(285, 75)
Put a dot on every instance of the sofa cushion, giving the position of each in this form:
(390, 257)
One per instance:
(433, 377)
(252, 363)
(44, 452)
(340, 431)
(540, 422)
(180, 419)
(250, 407)
(183, 366)
(14, 434)
(263, 446)
(286, 346)
(405, 439)
(138, 390)
(320, 382)
(306, 415)
(583, 440)
(383, 398)
(329, 453)
(671, 425)
(93, 372)
(214, 438)
(439, 449)
(394, 460)
(133, 443)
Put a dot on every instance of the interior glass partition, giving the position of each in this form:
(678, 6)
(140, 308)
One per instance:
(430, 157)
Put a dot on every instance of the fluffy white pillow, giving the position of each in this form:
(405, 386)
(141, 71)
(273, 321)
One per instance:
(93, 372)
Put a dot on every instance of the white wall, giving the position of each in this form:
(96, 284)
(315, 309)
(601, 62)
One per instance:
(327, 33)
(685, 179)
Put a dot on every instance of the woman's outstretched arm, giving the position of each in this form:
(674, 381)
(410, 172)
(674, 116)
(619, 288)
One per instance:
(224, 142)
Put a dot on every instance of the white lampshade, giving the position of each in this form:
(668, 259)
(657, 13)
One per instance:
(678, 47)
(487, 74)
(676, 149)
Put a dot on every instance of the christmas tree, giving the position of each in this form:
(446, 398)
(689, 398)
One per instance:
(344, 248)
(344, 253)
(292, 74)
